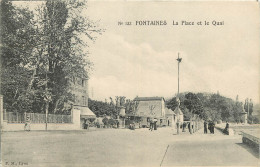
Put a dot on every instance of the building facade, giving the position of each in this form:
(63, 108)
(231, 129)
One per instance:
(79, 88)
(171, 117)
(150, 108)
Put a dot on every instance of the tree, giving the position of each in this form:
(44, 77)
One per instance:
(172, 103)
(45, 50)
(210, 114)
(193, 104)
(105, 121)
(61, 28)
(101, 108)
(17, 39)
(131, 106)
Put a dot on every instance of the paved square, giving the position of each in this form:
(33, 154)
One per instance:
(123, 147)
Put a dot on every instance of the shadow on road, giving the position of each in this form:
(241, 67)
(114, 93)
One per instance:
(251, 150)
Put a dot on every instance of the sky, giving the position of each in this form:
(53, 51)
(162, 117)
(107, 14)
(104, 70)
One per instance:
(141, 60)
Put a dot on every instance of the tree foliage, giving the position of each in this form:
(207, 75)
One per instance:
(101, 108)
(208, 106)
(42, 50)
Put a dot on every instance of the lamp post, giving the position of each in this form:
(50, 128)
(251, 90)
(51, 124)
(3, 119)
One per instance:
(177, 99)
(179, 60)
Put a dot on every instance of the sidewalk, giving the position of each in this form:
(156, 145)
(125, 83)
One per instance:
(210, 150)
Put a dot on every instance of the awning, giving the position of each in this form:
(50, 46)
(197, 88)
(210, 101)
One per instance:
(85, 112)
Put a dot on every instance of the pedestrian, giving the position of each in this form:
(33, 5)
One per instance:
(213, 127)
(189, 127)
(27, 126)
(151, 125)
(86, 124)
(205, 127)
(209, 127)
(226, 130)
(117, 124)
(192, 127)
(154, 123)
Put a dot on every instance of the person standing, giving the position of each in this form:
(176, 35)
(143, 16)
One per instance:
(183, 126)
(86, 124)
(154, 123)
(27, 126)
(192, 127)
(205, 127)
(151, 124)
(117, 124)
(213, 127)
(189, 127)
(209, 127)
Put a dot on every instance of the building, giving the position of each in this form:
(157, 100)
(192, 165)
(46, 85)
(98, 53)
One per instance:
(171, 118)
(179, 114)
(149, 108)
(79, 88)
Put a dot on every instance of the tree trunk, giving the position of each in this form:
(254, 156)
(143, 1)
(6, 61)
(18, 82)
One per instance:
(56, 105)
(46, 116)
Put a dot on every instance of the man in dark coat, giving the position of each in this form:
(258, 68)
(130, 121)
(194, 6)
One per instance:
(226, 130)
(189, 128)
(154, 123)
(205, 127)
(209, 127)
(213, 127)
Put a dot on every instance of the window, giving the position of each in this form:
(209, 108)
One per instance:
(83, 82)
(84, 100)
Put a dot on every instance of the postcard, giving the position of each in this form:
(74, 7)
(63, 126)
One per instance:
(130, 83)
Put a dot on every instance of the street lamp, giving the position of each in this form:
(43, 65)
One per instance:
(179, 60)
(177, 99)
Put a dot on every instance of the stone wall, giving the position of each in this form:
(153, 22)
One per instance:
(251, 140)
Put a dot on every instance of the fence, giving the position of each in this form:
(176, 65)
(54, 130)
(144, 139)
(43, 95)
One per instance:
(13, 117)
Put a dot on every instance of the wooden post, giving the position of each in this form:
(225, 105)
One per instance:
(1, 110)
(24, 117)
(46, 115)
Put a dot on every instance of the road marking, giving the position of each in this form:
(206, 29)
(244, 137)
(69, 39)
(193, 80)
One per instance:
(164, 155)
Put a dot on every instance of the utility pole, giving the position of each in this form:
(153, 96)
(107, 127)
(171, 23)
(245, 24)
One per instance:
(178, 101)
(179, 60)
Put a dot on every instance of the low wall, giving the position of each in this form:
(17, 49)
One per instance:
(251, 140)
(20, 126)
(75, 125)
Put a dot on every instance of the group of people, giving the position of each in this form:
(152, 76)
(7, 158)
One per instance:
(209, 126)
(153, 125)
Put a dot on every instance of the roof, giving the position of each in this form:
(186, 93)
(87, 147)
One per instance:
(178, 111)
(148, 98)
(169, 111)
(85, 112)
